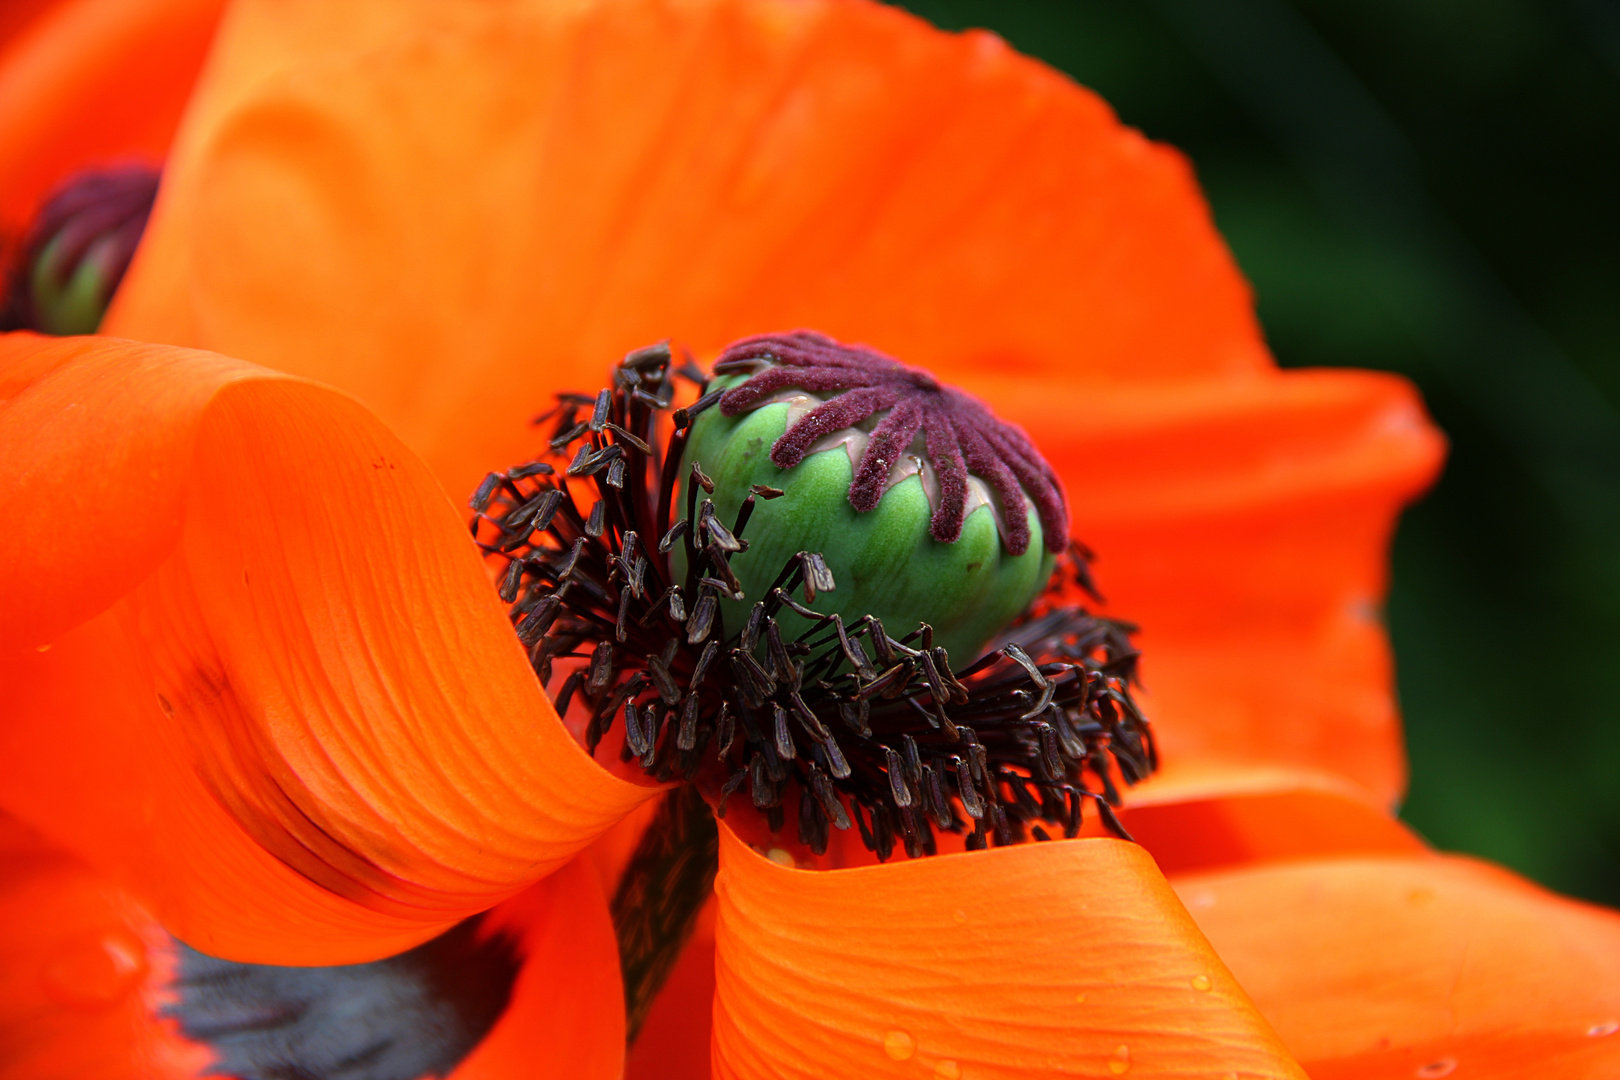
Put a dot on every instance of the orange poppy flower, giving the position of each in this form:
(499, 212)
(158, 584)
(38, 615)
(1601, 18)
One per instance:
(284, 712)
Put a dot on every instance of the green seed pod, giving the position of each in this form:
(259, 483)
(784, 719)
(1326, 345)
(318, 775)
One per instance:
(916, 497)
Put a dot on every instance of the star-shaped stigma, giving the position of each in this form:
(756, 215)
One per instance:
(961, 436)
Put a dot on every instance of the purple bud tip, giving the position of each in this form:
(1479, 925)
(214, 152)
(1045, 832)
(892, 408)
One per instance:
(101, 213)
(961, 435)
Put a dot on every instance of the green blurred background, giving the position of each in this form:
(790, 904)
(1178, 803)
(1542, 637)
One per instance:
(1431, 187)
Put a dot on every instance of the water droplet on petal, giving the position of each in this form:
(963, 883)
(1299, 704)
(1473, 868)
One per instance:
(1080, 999)
(947, 1069)
(1200, 982)
(781, 857)
(1434, 1070)
(959, 915)
(899, 1045)
(1608, 1027)
(1120, 1060)
(1418, 897)
(94, 972)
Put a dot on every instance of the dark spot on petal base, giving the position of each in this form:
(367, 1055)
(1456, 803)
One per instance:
(413, 1015)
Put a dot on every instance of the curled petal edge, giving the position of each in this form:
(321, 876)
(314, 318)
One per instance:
(288, 708)
(1066, 957)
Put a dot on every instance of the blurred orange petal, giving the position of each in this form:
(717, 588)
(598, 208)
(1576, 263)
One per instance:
(647, 169)
(82, 970)
(1245, 524)
(1248, 829)
(674, 1039)
(566, 1016)
(704, 171)
(90, 82)
(1063, 958)
(1418, 966)
(301, 669)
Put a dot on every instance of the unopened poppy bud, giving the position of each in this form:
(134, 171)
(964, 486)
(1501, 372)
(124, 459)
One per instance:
(77, 250)
(924, 506)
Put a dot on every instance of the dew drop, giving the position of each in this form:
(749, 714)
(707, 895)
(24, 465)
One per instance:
(1120, 1060)
(96, 971)
(1608, 1027)
(1419, 897)
(1201, 982)
(1080, 999)
(959, 915)
(781, 857)
(946, 1069)
(899, 1045)
(43, 648)
(1434, 1070)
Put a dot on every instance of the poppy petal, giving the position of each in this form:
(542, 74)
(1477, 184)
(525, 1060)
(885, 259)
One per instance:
(674, 1039)
(1418, 966)
(1262, 827)
(555, 184)
(566, 1017)
(82, 971)
(1244, 524)
(93, 82)
(1070, 957)
(314, 684)
(703, 171)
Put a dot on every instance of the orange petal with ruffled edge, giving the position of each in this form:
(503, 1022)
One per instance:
(82, 973)
(94, 82)
(302, 725)
(550, 185)
(1065, 958)
(1423, 966)
(1244, 524)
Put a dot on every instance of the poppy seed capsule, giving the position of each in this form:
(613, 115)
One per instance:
(925, 507)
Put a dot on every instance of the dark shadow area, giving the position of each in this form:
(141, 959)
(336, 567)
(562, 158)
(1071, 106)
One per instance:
(1430, 187)
(417, 1014)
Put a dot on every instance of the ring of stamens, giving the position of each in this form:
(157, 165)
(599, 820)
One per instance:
(848, 725)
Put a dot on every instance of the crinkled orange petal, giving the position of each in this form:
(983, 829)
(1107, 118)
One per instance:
(307, 733)
(1244, 524)
(1423, 966)
(674, 1039)
(566, 1015)
(94, 82)
(1065, 958)
(82, 971)
(456, 222)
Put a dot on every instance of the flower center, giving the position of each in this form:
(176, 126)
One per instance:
(840, 724)
(676, 618)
